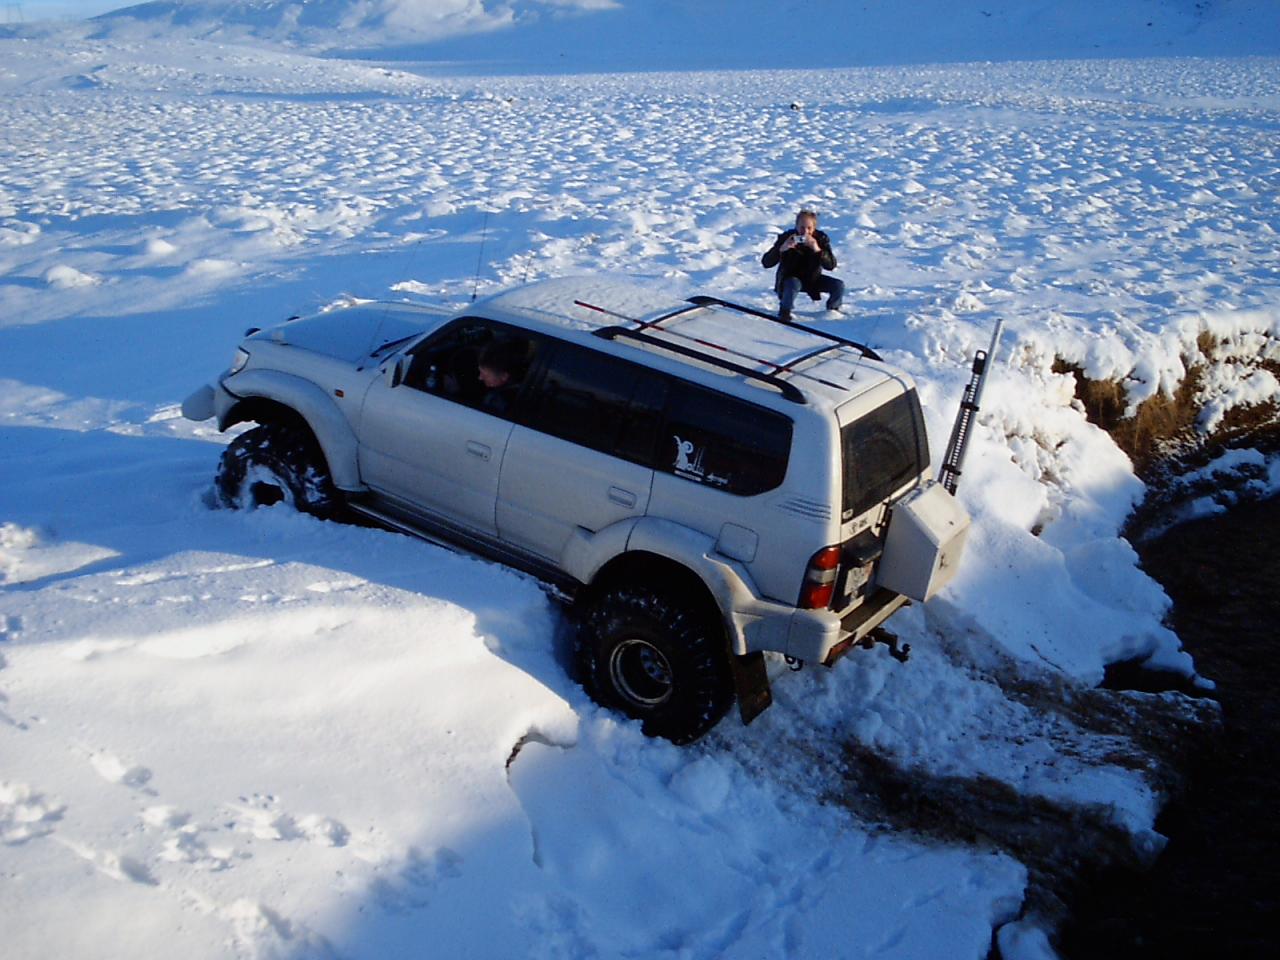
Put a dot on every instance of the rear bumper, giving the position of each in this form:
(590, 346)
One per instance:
(822, 636)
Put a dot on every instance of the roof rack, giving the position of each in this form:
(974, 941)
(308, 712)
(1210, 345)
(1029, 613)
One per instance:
(695, 303)
(789, 390)
(703, 301)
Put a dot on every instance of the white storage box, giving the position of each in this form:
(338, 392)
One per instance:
(926, 536)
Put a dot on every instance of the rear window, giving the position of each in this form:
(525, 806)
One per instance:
(883, 451)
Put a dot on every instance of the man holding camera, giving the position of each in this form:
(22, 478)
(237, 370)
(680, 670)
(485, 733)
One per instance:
(801, 254)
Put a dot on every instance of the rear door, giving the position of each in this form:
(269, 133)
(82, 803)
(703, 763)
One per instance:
(581, 455)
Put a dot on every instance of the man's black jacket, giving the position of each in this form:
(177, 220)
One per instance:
(800, 262)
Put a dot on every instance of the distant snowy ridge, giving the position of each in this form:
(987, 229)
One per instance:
(326, 23)
(706, 34)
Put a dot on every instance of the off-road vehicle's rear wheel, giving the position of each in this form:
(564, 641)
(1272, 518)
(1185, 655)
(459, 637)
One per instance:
(275, 463)
(657, 658)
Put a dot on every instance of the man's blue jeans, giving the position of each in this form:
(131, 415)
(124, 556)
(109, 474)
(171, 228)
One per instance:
(831, 286)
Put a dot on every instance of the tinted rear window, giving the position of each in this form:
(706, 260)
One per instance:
(882, 452)
(723, 442)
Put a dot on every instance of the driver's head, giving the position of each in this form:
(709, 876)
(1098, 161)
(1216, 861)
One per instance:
(492, 377)
(502, 362)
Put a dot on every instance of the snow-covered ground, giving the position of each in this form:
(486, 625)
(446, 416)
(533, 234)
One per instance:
(260, 735)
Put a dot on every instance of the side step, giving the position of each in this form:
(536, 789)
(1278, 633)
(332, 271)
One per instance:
(466, 546)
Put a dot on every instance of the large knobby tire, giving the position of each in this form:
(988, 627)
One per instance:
(658, 658)
(272, 464)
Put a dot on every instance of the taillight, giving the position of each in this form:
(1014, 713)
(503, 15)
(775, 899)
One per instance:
(819, 585)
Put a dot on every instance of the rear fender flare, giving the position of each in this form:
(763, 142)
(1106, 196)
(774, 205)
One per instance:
(728, 584)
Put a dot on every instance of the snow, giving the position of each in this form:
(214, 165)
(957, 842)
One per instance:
(261, 735)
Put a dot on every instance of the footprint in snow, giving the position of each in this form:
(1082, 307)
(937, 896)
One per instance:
(184, 843)
(407, 884)
(10, 627)
(117, 866)
(261, 817)
(114, 770)
(260, 931)
(25, 814)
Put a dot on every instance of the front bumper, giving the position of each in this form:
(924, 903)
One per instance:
(199, 406)
(211, 400)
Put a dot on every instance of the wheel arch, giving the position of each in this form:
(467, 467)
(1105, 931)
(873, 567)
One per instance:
(271, 397)
(667, 574)
(642, 600)
(263, 411)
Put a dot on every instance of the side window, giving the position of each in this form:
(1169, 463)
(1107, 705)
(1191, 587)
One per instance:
(723, 442)
(597, 401)
(638, 440)
(475, 362)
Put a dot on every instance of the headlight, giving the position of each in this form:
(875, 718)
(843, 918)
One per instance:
(239, 362)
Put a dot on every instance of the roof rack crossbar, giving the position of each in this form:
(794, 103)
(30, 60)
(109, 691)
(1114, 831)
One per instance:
(788, 390)
(656, 324)
(791, 367)
(862, 348)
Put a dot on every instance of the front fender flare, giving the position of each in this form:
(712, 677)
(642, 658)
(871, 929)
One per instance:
(332, 431)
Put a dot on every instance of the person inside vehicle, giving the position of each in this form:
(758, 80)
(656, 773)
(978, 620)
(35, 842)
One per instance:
(500, 368)
(801, 254)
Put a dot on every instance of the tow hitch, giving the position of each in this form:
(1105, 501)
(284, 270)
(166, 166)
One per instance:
(898, 650)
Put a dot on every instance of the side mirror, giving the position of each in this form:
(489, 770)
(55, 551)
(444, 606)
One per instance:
(393, 372)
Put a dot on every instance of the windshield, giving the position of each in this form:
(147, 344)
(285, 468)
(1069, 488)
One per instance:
(883, 452)
(390, 345)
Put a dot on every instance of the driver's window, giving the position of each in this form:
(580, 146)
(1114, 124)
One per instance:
(474, 362)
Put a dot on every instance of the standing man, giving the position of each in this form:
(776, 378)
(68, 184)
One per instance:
(801, 254)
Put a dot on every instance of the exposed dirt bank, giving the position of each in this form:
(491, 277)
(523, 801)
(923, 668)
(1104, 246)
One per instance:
(1215, 891)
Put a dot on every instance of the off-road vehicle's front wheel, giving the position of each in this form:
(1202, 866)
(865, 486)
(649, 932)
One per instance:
(274, 463)
(657, 658)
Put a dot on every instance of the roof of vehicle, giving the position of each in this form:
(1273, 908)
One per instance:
(801, 364)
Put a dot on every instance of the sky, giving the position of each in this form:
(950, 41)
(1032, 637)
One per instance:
(56, 9)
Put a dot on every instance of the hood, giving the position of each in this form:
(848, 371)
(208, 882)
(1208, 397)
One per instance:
(353, 333)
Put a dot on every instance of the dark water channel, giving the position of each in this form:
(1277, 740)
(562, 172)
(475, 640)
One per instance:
(1215, 890)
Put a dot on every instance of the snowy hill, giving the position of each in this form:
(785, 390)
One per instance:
(705, 34)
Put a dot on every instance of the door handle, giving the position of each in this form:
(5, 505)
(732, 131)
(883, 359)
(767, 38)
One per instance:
(477, 449)
(624, 498)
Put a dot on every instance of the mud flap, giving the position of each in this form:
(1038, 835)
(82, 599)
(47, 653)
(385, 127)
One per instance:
(751, 683)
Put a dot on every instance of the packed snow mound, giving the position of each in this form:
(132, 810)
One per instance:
(667, 34)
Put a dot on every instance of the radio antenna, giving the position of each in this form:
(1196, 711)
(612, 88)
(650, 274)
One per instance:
(484, 232)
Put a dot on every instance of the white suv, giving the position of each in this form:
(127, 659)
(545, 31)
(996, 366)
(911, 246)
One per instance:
(705, 481)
